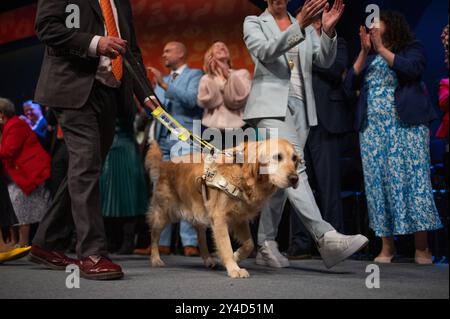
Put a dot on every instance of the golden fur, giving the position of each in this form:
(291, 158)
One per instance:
(177, 194)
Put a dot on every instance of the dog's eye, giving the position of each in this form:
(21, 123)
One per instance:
(278, 157)
(294, 158)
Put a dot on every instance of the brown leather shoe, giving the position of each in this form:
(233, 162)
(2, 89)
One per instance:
(52, 259)
(163, 250)
(142, 251)
(191, 251)
(99, 268)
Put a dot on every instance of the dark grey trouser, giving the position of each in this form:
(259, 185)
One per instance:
(88, 134)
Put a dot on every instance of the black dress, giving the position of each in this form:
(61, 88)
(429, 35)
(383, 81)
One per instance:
(7, 215)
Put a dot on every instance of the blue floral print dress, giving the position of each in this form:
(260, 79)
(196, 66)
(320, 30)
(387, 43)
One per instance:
(396, 162)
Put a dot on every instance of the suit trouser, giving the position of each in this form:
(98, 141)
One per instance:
(188, 233)
(295, 129)
(88, 134)
(322, 152)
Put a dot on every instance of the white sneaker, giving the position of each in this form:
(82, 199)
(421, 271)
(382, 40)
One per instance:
(269, 255)
(335, 247)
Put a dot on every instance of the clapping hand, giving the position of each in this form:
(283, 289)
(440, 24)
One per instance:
(366, 43)
(310, 11)
(375, 38)
(331, 17)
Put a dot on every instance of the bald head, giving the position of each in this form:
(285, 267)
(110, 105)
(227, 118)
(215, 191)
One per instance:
(174, 55)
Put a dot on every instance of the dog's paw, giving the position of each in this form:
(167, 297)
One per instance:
(238, 273)
(210, 262)
(157, 262)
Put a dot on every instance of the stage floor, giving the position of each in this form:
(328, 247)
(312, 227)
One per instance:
(187, 278)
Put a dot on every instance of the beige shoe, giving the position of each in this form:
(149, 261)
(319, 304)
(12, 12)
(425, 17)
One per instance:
(335, 247)
(384, 260)
(269, 255)
(423, 261)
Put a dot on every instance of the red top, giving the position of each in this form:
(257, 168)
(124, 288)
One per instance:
(443, 104)
(24, 159)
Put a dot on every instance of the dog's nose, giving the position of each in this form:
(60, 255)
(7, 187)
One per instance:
(293, 179)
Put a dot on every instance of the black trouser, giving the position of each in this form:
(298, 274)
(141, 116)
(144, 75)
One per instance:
(88, 134)
(322, 160)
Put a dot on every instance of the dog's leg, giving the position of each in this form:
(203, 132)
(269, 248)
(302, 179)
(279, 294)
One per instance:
(244, 236)
(222, 239)
(158, 222)
(203, 246)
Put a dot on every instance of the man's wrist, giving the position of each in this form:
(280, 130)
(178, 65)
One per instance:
(92, 50)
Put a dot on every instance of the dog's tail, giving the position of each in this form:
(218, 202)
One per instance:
(153, 161)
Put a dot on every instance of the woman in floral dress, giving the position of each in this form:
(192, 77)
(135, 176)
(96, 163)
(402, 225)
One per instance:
(393, 114)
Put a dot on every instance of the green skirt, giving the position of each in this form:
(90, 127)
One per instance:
(122, 184)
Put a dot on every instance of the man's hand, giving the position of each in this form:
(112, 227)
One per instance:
(157, 75)
(331, 17)
(111, 47)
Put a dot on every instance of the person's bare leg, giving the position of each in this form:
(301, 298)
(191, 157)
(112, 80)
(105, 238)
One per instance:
(387, 250)
(2, 243)
(12, 236)
(5, 246)
(24, 235)
(423, 254)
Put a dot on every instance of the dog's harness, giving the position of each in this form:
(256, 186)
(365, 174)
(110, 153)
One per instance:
(211, 178)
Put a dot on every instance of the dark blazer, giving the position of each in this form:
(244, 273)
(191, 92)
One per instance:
(411, 100)
(68, 73)
(333, 110)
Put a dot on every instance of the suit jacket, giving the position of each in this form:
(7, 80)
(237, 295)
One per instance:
(268, 47)
(411, 100)
(180, 100)
(23, 157)
(334, 111)
(67, 72)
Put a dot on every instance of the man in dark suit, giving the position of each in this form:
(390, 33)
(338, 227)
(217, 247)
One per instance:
(84, 82)
(322, 148)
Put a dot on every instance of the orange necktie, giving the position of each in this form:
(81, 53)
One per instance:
(111, 29)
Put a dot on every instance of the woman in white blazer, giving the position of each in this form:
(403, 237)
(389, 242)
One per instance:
(281, 101)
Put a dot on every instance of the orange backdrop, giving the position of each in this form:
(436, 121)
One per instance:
(196, 23)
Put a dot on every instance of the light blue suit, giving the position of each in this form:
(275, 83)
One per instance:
(271, 107)
(268, 47)
(180, 100)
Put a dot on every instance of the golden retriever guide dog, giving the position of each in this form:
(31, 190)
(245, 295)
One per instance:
(266, 166)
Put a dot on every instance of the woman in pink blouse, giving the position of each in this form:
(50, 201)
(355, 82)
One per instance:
(223, 91)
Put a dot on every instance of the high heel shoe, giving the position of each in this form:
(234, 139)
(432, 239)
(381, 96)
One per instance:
(384, 260)
(420, 260)
(423, 261)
